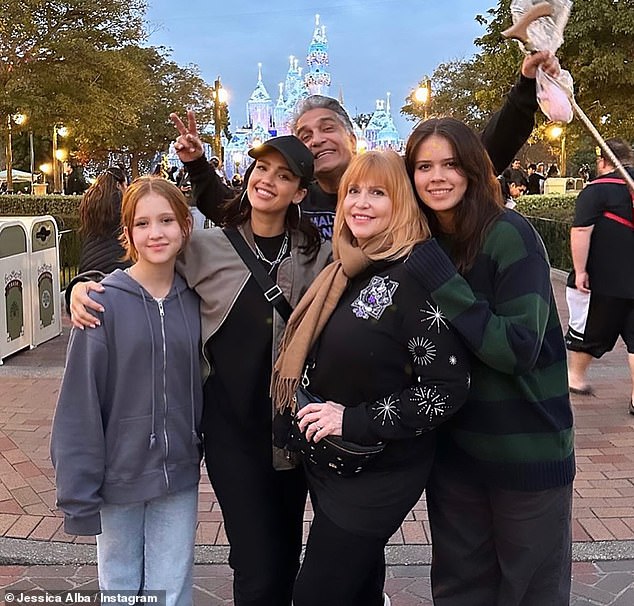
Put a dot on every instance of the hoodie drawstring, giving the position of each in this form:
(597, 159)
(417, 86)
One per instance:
(152, 441)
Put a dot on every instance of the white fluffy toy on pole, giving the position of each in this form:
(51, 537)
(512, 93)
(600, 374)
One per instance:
(539, 25)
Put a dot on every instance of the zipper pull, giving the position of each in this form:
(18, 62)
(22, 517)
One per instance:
(160, 306)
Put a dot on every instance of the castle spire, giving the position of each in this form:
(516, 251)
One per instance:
(317, 78)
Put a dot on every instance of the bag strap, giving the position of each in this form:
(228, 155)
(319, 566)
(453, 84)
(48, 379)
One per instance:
(612, 216)
(272, 292)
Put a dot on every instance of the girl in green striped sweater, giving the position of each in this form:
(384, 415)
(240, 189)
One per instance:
(500, 497)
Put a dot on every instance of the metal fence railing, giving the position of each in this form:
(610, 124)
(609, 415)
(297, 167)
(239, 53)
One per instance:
(69, 251)
(556, 237)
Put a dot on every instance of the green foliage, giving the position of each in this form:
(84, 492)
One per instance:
(598, 50)
(558, 207)
(552, 216)
(556, 237)
(65, 209)
(83, 64)
(453, 86)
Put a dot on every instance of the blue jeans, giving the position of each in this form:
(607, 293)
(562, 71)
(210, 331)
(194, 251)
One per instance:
(150, 546)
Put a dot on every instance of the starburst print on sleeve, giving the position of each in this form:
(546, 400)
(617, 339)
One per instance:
(375, 298)
(434, 317)
(430, 402)
(386, 410)
(422, 350)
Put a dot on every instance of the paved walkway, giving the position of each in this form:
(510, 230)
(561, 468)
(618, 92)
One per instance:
(35, 552)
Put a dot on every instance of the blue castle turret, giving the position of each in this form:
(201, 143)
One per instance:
(260, 105)
(317, 78)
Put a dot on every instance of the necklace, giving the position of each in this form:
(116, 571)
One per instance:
(280, 254)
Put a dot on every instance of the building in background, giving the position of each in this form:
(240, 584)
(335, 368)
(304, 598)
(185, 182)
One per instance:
(267, 118)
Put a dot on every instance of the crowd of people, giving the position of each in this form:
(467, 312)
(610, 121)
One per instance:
(416, 307)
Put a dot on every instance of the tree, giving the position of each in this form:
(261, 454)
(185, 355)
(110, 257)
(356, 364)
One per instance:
(597, 50)
(456, 89)
(166, 88)
(44, 42)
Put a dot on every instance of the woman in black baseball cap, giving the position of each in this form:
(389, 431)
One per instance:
(261, 490)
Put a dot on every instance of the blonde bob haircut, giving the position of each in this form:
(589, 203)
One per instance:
(140, 188)
(408, 225)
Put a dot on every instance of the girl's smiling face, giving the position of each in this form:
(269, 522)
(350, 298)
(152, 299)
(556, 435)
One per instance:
(439, 182)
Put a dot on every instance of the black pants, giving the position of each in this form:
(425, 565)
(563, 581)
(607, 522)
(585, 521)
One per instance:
(263, 511)
(340, 568)
(495, 547)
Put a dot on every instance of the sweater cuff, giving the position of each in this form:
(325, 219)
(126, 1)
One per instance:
(84, 526)
(198, 169)
(355, 425)
(430, 266)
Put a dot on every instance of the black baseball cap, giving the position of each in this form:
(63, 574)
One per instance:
(297, 155)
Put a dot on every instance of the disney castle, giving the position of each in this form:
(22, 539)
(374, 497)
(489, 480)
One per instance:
(267, 118)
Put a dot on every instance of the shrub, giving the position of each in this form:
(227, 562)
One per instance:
(552, 216)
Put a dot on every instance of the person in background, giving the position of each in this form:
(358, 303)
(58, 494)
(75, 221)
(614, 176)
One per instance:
(600, 292)
(515, 173)
(406, 372)
(500, 494)
(535, 180)
(100, 223)
(74, 181)
(125, 442)
(511, 191)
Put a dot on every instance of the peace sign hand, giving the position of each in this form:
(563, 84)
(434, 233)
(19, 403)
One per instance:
(188, 146)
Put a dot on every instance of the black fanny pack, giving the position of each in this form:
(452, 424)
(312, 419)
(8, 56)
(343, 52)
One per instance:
(332, 452)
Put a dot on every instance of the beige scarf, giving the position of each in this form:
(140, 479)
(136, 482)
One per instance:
(310, 316)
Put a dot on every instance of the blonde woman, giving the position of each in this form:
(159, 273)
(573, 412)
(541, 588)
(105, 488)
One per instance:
(405, 372)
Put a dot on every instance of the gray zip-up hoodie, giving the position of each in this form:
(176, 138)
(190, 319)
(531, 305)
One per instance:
(126, 427)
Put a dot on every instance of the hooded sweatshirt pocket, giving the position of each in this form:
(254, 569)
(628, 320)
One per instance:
(131, 456)
(184, 443)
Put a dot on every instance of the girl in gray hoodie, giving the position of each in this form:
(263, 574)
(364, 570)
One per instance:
(125, 442)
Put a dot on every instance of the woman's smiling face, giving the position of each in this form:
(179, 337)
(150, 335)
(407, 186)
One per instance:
(439, 182)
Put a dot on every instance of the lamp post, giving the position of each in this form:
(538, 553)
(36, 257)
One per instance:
(17, 119)
(422, 96)
(58, 155)
(219, 98)
(559, 132)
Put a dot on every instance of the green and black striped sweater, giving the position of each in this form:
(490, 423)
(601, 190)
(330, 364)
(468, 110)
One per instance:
(516, 429)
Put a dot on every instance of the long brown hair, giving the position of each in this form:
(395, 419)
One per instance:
(482, 202)
(140, 188)
(408, 224)
(100, 206)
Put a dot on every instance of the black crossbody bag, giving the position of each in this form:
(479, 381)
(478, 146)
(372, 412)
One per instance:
(332, 452)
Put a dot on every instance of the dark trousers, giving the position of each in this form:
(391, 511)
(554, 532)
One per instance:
(494, 547)
(340, 568)
(263, 511)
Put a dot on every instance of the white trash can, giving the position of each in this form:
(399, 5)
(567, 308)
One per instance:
(15, 299)
(44, 266)
(43, 252)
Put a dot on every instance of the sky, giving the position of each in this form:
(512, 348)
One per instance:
(375, 46)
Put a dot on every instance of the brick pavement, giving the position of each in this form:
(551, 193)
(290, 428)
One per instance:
(603, 504)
